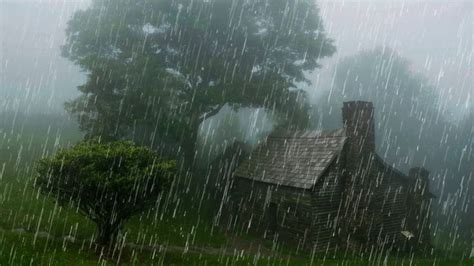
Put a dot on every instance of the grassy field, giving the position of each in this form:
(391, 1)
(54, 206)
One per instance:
(24, 249)
(33, 228)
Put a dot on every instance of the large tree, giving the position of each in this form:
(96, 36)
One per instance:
(159, 68)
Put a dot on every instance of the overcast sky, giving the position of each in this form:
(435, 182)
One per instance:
(33, 75)
(435, 35)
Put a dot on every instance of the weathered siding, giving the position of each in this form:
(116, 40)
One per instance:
(371, 209)
(378, 200)
(251, 205)
(326, 207)
(308, 218)
(374, 202)
(389, 204)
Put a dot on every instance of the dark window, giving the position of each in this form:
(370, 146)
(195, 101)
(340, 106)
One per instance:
(272, 216)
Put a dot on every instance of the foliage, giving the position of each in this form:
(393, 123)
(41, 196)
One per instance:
(106, 182)
(159, 68)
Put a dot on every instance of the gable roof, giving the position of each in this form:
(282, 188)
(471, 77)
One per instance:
(400, 176)
(296, 159)
(389, 168)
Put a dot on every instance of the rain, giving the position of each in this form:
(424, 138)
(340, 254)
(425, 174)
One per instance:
(236, 132)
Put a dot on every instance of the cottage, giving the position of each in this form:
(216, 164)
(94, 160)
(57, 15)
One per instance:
(330, 189)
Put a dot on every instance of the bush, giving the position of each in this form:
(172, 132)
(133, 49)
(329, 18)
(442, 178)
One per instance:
(107, 182)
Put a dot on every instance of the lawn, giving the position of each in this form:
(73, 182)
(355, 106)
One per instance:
(24, 249)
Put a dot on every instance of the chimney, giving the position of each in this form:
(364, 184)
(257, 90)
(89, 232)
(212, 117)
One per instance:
(419, 179)
(358, 119)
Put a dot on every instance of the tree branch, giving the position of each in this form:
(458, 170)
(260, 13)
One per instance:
(211, 113)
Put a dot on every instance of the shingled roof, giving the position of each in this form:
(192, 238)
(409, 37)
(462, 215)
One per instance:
(296, 159)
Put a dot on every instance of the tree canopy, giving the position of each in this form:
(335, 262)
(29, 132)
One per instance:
(108, 183)
(159, 68)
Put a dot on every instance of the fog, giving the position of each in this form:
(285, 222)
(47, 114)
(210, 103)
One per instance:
(33, 75)
(436, 36)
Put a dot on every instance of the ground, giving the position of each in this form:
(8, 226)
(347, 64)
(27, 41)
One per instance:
(36, 231)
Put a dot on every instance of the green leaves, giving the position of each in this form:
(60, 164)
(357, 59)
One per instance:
(108, 182)
(162, 64)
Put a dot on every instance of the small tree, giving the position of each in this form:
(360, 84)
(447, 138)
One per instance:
(107, 182)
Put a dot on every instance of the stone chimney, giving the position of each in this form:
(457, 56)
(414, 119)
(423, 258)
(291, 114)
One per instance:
(358, 119)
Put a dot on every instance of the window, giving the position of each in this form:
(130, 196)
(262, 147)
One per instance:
(272, 216)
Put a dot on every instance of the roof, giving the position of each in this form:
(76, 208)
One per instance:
(401, 176)
(397, 173)
(295, 159)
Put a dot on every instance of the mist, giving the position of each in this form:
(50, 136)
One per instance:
(34, 77)
(435, 36)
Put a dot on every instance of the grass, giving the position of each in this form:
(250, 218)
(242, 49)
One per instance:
(24, 249)
(22, 207)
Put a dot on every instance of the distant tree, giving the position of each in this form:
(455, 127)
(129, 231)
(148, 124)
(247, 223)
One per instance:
(160, 68)
(461, 157)
(412, 129)
(108, 183)
(407, 112)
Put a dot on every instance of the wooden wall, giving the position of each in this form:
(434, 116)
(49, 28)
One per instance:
(376, 206)
(389, 206)
(251, 204)
(375, 203)
(365, 206)
(308, 218)
(327, 206)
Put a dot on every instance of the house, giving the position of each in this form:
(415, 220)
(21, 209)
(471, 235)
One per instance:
(327, 189)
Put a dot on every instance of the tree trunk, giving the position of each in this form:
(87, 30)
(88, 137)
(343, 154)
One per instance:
(107, 234)
(189, 143)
